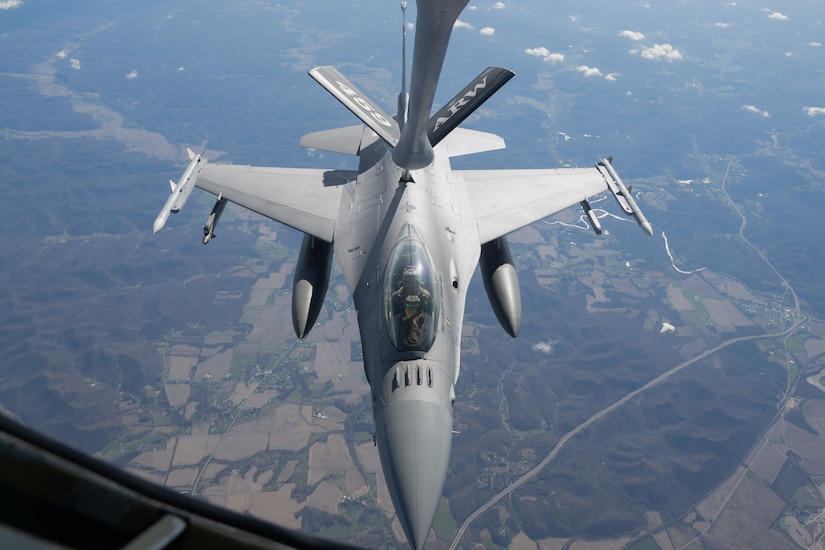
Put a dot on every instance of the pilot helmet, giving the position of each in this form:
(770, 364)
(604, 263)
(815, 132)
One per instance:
(411, 278)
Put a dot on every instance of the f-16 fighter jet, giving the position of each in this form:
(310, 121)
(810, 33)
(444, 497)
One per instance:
(407, 232)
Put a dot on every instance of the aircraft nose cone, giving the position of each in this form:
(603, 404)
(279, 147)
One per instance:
(414, 439)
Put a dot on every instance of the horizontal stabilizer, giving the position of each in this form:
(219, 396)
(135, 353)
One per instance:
(348, 140)
(468, 100)
(356, 101)
(462, 141)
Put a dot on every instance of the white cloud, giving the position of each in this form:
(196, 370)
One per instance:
(633, 35)
(74, 64)
(722, 25)
(589, 71)
(814, 44)
(659, 51)
(545, 54)
(9, 4)
(499, 6)
(814, 111)
(538, 52)
(459, 24)
(62, 54)
(544, 347)
(487, 31)
(757, 110)
(132, 74)
(775, 15)
(595, 71)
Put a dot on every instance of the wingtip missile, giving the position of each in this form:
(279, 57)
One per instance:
(163, 216)
(180, 191)
(622, 195)
(160, 221)
(647, 228)
(187, 181)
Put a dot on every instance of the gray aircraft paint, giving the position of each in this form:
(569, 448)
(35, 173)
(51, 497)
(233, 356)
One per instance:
(405, 191)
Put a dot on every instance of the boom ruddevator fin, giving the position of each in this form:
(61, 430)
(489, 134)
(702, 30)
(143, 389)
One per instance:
(466, 101)
(358, 103)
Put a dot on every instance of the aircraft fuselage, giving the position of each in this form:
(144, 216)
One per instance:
(394, 229)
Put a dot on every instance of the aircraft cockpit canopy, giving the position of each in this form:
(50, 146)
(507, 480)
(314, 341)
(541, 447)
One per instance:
(411, 295)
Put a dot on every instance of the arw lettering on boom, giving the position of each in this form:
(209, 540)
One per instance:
(456, 107)
(363, 103)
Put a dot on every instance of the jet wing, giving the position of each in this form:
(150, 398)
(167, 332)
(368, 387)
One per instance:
(302, 198)
(506, 200)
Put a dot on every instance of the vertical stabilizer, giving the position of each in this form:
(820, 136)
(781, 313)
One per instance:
(433, 27)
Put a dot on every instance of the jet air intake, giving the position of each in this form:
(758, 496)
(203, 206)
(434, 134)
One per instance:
(501, 284)
(309, 286)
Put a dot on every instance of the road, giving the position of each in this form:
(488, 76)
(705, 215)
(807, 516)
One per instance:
(238, 409)
(799, 320)
(609, 409)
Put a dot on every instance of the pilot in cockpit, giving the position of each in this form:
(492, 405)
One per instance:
(412, 302)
